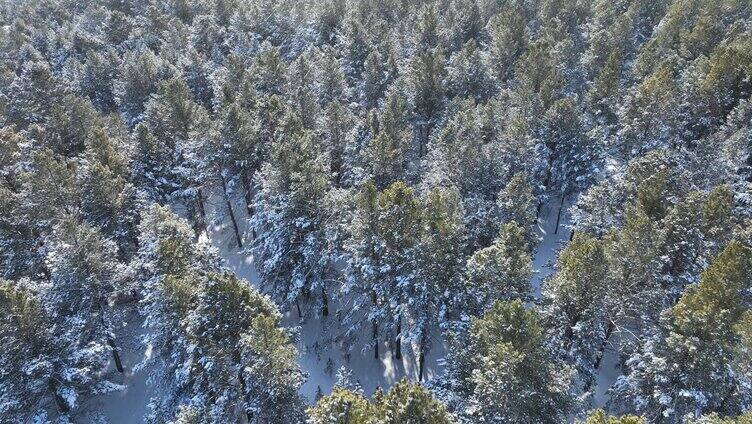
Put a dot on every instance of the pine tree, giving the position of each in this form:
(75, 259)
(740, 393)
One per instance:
(605, 88)
(684, 369)
(408, 402)
(49, 191)
(342, 406)
(404, 403)
(634, 264)
(467, 75)
(330, 78)
(84, 275)
(42, 369)
(507, 39)
(649, 114)
(139, 77)
(384, 261)
(109, 200)
(432, 297)
(742, 364)
(231, 155)
(578, 319)
(388, 152)
(539, 79)
(378, 73)
(501, 271)
(180, 124)
(31, 95)
(512, 376)
(458, 157)
(69, 125)
(336, 130)
(223, 361)
(516, 204)
(301, 90)
(364, 271)
(268, 71)
(598, 416)
(398, 220)
(353, 42)
(18, 239)
(714, 418)
(293, 256)
(573, 155)
(426, 93)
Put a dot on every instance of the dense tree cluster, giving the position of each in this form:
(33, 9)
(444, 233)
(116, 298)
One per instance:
(385, 162)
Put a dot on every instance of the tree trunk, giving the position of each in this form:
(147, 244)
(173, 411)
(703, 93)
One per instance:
(325, 305)
(115, 354)
(200, 199)
(422, 355)
(62, 406)
(375, 336)
(110, 339)
(196, 213)
(247, 195)
(230, 211)
(421, 364)
(244, 390)
(297, 305)
(558, 217)
(546, 180)
(397, 342)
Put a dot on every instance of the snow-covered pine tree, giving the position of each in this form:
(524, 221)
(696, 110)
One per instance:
(459, 156)
(179, 126)
(599, 416)
(501, 271)
(222, 362)
(506, 371)
(383, 262)
(293, 256)
(45, 368)
(388, 153)
(576, 314)
(405, 402)
(516, 203)
(433, 295)
(685, 367)
(342, 406)
(139, 76)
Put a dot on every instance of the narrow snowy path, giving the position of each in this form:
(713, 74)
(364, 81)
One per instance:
(554, 231)
(554, 237)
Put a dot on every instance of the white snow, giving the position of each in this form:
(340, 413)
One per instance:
(129, 405)
(553, 238)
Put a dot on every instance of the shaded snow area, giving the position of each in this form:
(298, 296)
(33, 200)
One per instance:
(554, 232)
(130, 404)
(608, 372)
(320, 354)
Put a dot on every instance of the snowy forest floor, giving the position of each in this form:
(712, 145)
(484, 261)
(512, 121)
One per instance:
(320, 356)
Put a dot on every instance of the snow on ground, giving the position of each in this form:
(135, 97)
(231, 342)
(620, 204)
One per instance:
(554, 231)
(320, 357)
(607, 375)
(129, 405)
